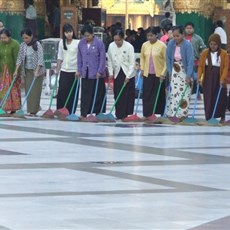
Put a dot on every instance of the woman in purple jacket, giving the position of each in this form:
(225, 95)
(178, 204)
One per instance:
(91, 66)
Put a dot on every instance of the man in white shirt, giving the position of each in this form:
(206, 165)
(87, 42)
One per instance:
(31, 16)
(223, 36)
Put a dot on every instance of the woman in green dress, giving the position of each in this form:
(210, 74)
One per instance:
(8, 56)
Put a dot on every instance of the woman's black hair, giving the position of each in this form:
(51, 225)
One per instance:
(152, 30)
(6, 32)
(179, 28)
(87, 28)
(67, 28)
(119, 32)
(29, 32)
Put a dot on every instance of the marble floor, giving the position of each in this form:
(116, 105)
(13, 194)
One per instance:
(71, 175)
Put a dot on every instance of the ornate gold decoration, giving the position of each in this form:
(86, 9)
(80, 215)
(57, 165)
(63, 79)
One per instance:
(204, 7)
(188, 6)
(16, 6)
(207, 9)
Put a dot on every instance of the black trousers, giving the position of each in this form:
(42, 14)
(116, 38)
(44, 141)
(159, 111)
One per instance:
(150, 88)
(125, 104)
(88, 87)
(65, 83)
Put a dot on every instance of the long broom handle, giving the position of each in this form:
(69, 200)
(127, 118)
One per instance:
(167, 100)
(182, 96)
(217, 99)
(28, 93)
(119, 95)
(3, 102)
(52, 95)
(70, 92)
(196, 99)
(138, 99)
(75, 96)
(95, 95)
(105, 97)
(158, 92)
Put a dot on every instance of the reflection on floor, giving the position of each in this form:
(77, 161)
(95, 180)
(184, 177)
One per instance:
(70, 175)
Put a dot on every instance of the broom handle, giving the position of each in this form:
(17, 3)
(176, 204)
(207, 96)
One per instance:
(138, 99)
(3, 102)
(158, 92)
(111, 110)
(52, 95)
(95, 95)
(167, 101)
(106, 93)
(217, 99)
(196, 99)
(182, 96)
(70, 92)
(75, 96)
(28, 93)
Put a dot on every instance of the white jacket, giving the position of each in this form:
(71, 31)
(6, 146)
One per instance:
(121, 57)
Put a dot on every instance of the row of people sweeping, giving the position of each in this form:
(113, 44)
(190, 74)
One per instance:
(86, 59)
(156, 61)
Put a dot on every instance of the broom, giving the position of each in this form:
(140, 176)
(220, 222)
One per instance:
(91, 117)
(164, 119)
(63, 112)
(212, 120)
(153, 117)
(49, 113)
(134, 117)
(73, 116)
(110, 116)
(192, 120)
(4, 100)
(175, 119)
(101, 116)
(21, 113)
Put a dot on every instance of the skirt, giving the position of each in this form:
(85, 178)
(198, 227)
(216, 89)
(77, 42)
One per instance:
(150, 88)
(178, 85)
(13, 102)
(211, 87)
(33, 101)
(65, 83)
(87, 95)
(125, 104)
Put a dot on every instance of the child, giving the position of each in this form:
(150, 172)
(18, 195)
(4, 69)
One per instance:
(138, 79)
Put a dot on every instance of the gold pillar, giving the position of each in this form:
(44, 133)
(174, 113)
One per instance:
(126, 15)
(40, 7)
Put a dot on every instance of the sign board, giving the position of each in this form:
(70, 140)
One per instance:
(69, 15)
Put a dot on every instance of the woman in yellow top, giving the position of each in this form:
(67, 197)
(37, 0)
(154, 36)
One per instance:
(153, 65)
(213, 66)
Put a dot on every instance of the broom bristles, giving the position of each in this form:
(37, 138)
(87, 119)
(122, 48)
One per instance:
(91, 118)
(132, 118)
(63, 111)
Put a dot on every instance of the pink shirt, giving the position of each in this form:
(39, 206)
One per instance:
(151, 65)
(177, 55)
(164, 38)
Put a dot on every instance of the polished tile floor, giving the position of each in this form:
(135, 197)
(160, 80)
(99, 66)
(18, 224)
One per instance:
(70, 175)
